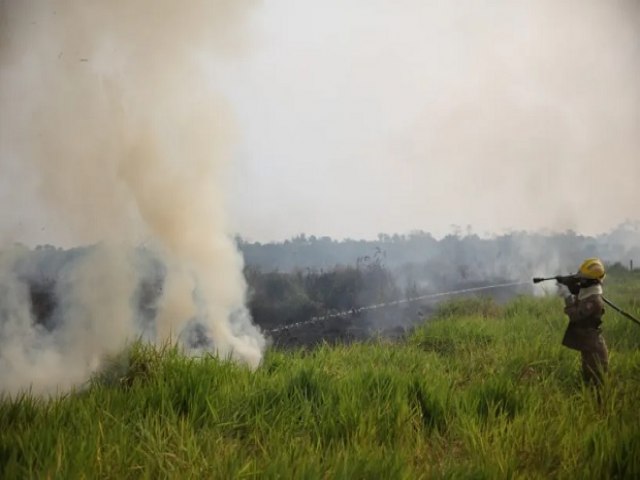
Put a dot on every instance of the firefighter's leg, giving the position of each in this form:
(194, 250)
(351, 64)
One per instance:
(595, 362)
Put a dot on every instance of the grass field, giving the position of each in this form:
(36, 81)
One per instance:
(482, 391)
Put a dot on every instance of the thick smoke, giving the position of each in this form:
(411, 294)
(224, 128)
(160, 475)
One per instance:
(111, 137)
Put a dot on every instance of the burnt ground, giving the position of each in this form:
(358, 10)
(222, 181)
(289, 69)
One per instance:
(393, 322)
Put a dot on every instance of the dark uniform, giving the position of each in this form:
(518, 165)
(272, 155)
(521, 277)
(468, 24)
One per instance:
(585, 313)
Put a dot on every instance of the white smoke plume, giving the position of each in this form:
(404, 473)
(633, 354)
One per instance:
(112, 137)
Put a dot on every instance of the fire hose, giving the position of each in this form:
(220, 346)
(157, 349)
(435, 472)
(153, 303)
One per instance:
(621, 312)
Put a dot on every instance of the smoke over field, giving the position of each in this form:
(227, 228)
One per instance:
(356, 117)
(110, 137)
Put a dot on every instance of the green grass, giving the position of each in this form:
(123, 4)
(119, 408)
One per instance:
(482, 391)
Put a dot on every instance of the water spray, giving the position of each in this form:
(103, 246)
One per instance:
(429, 296)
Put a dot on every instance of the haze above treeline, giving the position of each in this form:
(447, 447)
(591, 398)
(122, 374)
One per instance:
(351, 118)
(498, 255)
(373, 116)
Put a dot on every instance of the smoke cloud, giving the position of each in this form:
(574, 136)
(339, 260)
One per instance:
(112, 137)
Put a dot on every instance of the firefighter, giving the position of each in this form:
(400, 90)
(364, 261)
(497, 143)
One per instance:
(584, 306)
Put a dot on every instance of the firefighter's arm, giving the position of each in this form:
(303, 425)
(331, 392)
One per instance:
(571, 307)
(572, 282)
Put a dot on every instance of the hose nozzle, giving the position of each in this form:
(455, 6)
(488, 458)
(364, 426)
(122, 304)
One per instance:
(540, 279)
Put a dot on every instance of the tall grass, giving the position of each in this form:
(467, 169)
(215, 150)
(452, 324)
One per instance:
(482, 391)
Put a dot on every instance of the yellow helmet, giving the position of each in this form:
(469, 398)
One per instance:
(592, 269)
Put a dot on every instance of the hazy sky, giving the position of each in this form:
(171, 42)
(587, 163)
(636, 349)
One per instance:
(358, 117)
(354, 117)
